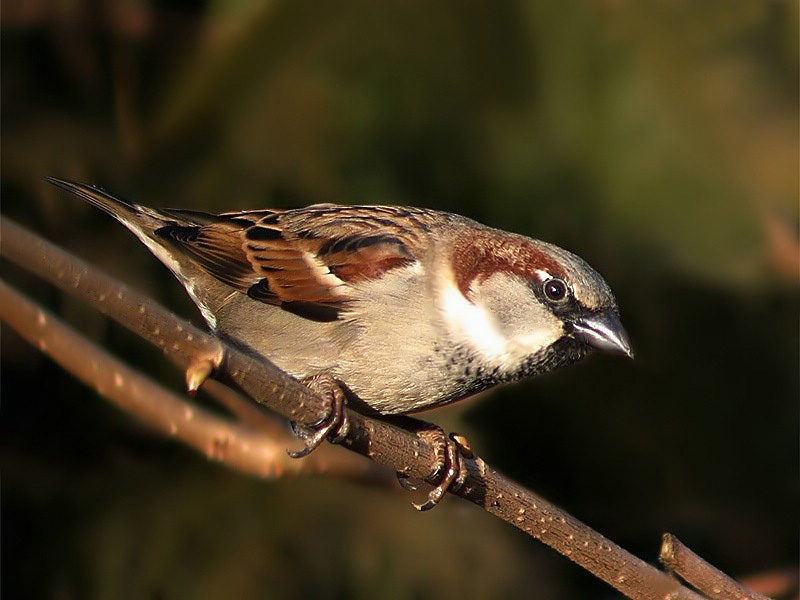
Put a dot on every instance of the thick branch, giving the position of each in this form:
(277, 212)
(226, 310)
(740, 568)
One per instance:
(694, 570)
(187, 345)
(398, 450)
(257, 450)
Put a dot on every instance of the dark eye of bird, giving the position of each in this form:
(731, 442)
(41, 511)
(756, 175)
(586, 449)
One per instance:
(555, 289)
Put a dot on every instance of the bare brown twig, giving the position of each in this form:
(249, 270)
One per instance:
(399, 450)
(694, 570)
(256, 450)
(187, 345)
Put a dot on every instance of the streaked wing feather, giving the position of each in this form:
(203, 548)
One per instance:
(302, 260)
(215, 249)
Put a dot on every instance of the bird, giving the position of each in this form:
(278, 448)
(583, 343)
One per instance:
(404, 308)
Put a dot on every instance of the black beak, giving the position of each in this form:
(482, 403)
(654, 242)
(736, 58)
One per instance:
(603, 331)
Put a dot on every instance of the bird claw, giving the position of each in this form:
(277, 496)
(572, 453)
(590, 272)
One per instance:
(334, 426)
(448, 451)
(407, 484)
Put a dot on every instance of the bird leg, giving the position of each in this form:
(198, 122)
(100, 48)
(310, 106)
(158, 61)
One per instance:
(448, 450)
(334, 426)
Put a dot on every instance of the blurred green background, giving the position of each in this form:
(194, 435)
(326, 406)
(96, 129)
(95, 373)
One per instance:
(657, 140)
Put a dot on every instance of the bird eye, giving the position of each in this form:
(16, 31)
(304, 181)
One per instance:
(555, 289)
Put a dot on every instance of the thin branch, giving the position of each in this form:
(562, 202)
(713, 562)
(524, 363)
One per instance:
(237, 445)
(246, 410)
(399, 450)
(694, 570)
(186, 345)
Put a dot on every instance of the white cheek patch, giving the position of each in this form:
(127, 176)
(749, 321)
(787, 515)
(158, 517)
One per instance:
(530, 343)
(473, 324)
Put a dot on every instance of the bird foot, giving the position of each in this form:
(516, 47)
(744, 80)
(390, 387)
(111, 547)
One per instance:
(447, 476)
(334, 426)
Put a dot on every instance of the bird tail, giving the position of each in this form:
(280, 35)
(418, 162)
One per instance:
(139, 219)
(143, 222)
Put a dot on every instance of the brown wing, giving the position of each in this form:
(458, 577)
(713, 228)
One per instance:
(301, 260)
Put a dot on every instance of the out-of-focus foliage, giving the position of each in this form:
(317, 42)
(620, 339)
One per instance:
(657, 140)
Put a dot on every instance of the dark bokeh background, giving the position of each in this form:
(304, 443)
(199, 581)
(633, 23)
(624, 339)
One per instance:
(657, 140)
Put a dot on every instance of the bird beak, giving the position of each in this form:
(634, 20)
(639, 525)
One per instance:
(603, 331)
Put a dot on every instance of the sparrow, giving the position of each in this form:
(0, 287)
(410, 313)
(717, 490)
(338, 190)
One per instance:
(405, 308)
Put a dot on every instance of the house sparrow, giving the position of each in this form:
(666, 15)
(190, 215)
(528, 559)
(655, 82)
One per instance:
(405, 308)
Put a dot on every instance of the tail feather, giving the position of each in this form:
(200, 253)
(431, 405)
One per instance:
(133, 216)
(144, 223)
(95, 196)
(140, 220)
